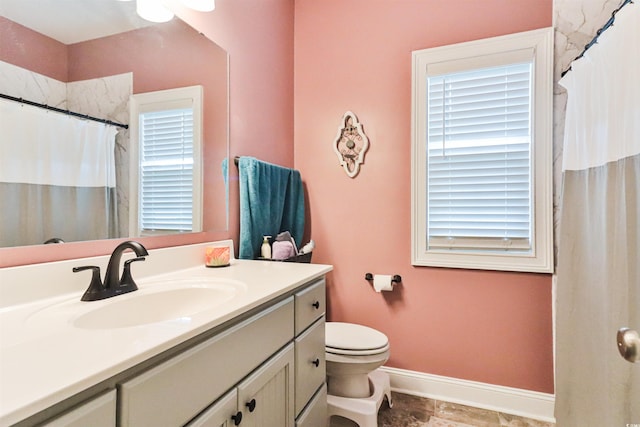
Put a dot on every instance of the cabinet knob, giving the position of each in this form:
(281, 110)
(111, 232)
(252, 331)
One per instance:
(237, 418)
(316, 304)
(316, 362)
(251, 405)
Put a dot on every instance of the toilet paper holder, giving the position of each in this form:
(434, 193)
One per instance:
(394, 279)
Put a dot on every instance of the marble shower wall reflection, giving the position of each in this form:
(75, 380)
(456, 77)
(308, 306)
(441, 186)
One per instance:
(575, 23)
(105, 98)
(22, 83)
(108, 98)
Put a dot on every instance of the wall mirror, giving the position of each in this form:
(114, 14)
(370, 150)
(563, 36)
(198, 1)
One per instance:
(90, 56)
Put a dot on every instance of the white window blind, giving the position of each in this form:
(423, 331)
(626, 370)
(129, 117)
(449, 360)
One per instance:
(479, 159)
(166, 170)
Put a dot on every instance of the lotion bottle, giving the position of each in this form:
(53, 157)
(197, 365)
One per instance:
(265, 250)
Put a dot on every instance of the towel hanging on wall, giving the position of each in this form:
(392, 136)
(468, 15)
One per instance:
(271, 201)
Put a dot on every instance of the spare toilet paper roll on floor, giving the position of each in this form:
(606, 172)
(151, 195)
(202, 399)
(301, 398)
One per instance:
(382, 282)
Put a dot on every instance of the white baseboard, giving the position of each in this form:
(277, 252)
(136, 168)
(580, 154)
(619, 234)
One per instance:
(514, 401)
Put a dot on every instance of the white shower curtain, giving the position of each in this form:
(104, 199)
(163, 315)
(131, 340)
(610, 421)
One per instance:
(57, 177)
(598, 288)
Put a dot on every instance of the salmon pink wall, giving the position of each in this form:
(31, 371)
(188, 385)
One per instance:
(162, 56)
(258, 34)
(492, 327)
(34, 52)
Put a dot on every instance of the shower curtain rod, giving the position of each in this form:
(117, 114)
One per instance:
(60, 110)
(594, 40)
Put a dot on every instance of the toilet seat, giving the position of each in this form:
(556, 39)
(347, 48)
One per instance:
(354, 340)
(347, 352)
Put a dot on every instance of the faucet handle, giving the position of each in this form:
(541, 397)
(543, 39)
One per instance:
(95, 287)
(126, 280)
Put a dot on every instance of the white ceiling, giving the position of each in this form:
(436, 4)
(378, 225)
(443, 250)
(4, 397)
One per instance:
(73, 21)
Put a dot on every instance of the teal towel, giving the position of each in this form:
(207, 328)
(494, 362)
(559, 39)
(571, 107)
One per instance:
(271, 201)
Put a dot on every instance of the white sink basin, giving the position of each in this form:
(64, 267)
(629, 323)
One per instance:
(174, 301)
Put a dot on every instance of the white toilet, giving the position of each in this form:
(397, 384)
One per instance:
(355, 388)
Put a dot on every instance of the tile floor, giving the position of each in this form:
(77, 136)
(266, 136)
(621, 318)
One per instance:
(413, 411)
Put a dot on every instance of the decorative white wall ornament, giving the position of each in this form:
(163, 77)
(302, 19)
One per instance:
(350, 144)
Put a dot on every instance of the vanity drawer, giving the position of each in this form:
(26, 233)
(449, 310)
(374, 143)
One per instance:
(315, 414)
(310, 305)
(310, 363)
(171, 393)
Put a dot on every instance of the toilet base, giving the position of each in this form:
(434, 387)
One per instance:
(363, 411)
(355, 385)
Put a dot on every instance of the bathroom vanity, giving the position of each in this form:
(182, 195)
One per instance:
(240, 345)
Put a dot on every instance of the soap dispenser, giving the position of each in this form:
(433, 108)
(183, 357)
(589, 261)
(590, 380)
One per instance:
(265, 250)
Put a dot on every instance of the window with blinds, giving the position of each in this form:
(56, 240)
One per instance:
(479, 159)
(482, 154)
(166, 170)
(166, 162)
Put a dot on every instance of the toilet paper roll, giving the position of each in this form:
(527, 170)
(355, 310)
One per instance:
(382, 282)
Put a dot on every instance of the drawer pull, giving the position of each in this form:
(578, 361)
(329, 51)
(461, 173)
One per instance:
(316, 304)
(251, 405)
(237, 418)
(316, 362)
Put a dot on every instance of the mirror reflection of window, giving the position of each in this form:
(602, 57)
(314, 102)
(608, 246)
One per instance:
(49, 58)
(166, 165)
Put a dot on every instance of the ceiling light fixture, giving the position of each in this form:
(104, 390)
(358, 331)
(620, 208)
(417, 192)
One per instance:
(157, 11)
(153, 10)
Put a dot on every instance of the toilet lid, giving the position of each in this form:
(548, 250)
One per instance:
(349, 338)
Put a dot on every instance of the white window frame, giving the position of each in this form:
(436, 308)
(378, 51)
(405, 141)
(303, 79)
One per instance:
(482, 54)
(158, 101)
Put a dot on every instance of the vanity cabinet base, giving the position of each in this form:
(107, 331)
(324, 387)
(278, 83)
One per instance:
(266, 368)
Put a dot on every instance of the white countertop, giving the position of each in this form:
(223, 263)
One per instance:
(44, 359)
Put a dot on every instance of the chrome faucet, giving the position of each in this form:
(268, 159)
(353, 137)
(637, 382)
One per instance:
(114, 284)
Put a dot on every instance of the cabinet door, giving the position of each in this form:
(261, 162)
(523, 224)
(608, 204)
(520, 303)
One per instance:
(220, 413)
(175, 391)
(98, 412)
(266, 396)
(310, 363)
